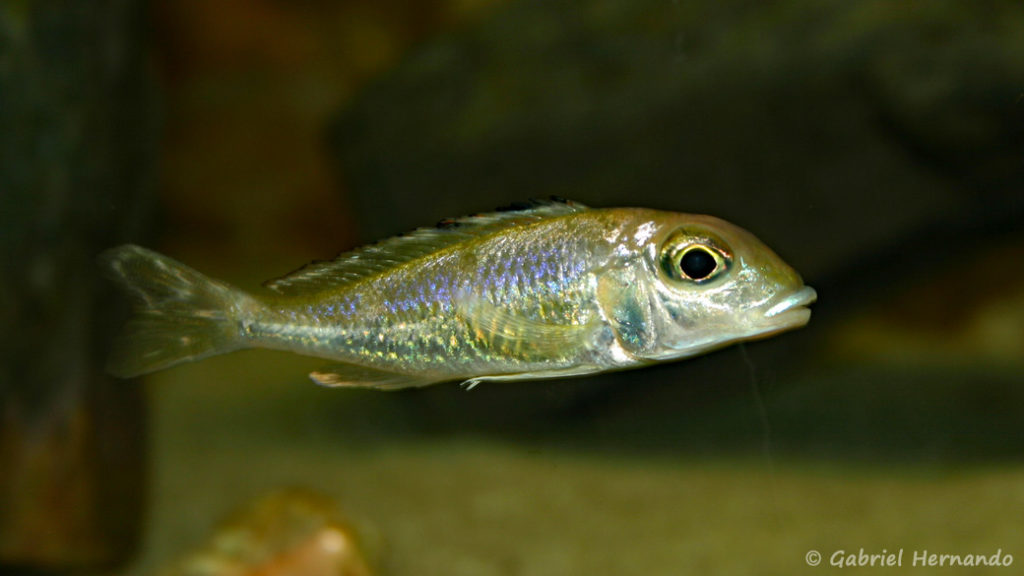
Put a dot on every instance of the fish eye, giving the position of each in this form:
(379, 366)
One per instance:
(696, 260)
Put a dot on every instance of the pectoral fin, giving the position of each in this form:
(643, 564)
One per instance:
(510, 332)
(352, 376)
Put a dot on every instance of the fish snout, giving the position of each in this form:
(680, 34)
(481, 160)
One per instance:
(791, 311)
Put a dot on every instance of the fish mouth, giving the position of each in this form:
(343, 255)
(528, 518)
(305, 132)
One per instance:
(791, 311)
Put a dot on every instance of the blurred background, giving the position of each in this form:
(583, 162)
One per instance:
(878, 147)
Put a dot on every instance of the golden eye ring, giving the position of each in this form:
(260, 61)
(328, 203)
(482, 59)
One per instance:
(698, 263)
(694, 260)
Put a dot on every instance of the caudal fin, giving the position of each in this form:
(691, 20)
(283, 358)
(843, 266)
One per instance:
(180, 315)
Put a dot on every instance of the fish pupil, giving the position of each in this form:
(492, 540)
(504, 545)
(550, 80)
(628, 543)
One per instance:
(697, 263)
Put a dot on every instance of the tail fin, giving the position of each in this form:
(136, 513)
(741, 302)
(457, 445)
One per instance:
(180, 314)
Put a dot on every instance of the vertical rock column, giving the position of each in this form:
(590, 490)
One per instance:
(77, 143)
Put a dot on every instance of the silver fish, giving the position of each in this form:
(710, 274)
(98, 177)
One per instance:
(545, 290)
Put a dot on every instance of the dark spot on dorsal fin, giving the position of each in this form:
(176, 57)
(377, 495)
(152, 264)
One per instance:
(448, 224)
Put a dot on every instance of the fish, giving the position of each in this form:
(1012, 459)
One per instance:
(538, 290)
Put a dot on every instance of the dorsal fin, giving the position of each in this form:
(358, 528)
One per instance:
(375, 258)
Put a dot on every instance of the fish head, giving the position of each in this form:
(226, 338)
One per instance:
(711, 283)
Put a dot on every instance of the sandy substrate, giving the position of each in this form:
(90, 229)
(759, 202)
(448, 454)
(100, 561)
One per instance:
(458, 504)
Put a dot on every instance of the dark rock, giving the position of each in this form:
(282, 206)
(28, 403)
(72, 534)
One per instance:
(844, 134)
(827, 128)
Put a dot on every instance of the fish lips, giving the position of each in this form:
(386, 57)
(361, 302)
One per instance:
(790, 312)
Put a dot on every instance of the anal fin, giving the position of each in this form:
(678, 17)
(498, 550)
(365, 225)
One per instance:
(353, 376)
